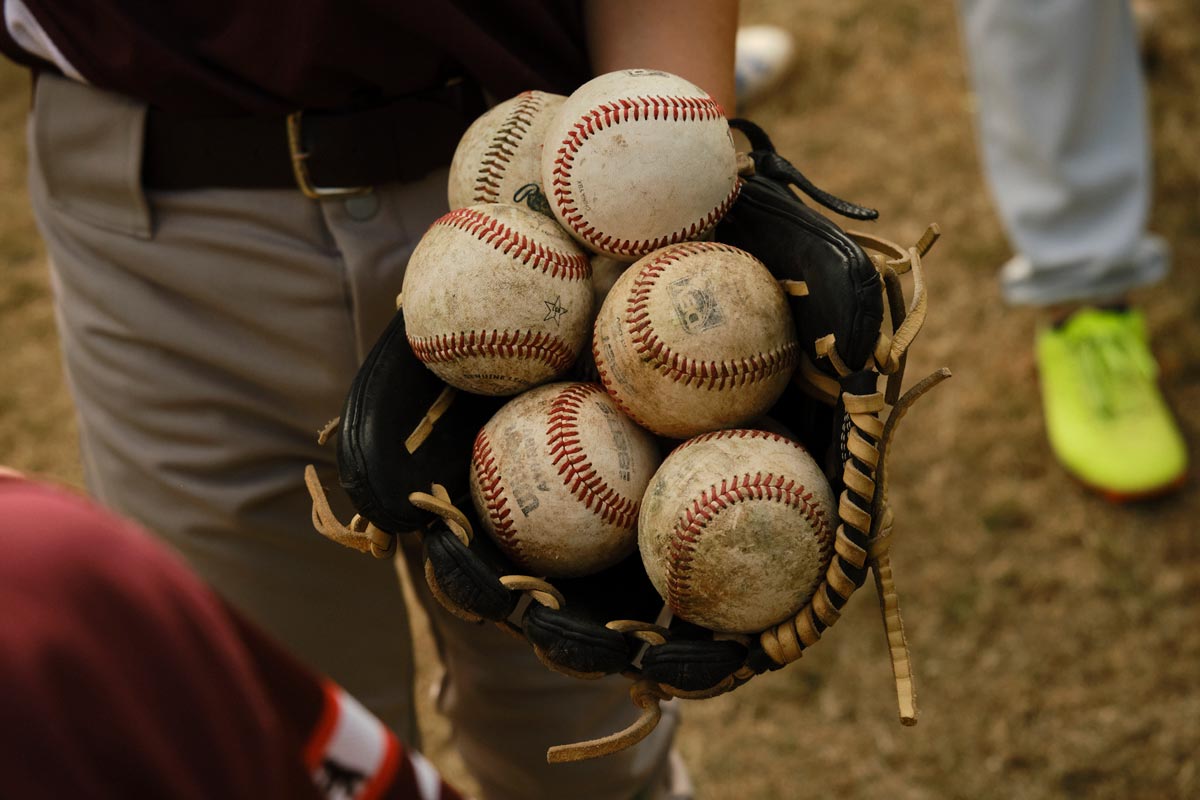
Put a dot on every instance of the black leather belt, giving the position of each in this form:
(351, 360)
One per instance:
(323, 154)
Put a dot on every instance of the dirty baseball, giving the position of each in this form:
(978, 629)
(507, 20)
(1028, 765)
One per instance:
(557, 476)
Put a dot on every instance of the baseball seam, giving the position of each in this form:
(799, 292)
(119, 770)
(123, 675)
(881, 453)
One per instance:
(485, 228)
(524, 344)
(610, 385)
(702, 373)
(739, 433)
(503, 146)
(606, 115)
(576, 469)
(487, 474)
(690, 526)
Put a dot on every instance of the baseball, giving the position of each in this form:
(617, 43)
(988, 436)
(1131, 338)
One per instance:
(638, 159)
(695, 337)
(557, 476)
(497, 299)
(499, 158)
(737, 530)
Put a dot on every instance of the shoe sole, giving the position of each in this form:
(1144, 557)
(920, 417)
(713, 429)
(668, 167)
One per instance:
(1125, 498)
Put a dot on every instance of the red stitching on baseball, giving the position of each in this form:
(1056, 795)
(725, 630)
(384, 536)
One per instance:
(705, 374)
(607, 115)
(486, 228)
(740, 433)
(691, 524)
(576, 469)
(538, 345)
(503, 145)
(608, 384)
(487, 474)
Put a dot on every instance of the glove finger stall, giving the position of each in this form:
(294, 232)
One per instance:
(465, 579)
(576, 645)
(693, 666)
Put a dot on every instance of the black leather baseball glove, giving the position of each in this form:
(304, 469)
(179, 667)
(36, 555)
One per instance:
(405, 446)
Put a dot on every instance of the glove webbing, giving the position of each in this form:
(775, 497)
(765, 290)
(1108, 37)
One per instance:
(770, 164)
(863, 538)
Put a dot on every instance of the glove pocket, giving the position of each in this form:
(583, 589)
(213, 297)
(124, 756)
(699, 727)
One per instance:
(798, 243)
(380, 463)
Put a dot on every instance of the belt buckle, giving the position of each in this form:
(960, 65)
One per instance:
(300, 168)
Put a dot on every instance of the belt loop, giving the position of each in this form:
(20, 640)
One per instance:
(86, 148)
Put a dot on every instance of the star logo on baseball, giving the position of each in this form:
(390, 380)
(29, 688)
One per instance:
(554, 311)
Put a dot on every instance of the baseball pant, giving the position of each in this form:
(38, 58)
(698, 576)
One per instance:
(207, 336)
(1063, 130)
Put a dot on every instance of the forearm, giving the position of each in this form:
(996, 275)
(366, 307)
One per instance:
(690, 38)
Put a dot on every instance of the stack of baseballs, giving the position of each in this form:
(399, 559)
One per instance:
(553, 198)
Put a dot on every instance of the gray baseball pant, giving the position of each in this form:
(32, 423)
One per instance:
(207, 336)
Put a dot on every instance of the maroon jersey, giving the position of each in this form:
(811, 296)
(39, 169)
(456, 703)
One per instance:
(229, 57)
(121, 675)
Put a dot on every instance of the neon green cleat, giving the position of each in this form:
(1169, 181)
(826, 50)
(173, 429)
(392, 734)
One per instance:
(1105, 416)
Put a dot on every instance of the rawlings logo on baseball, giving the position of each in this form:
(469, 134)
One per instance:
(499, 158)
(696, 306)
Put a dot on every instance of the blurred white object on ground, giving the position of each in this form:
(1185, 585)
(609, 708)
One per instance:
(764, 55)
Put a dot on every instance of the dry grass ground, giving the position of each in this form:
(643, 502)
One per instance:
(1056, 638)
